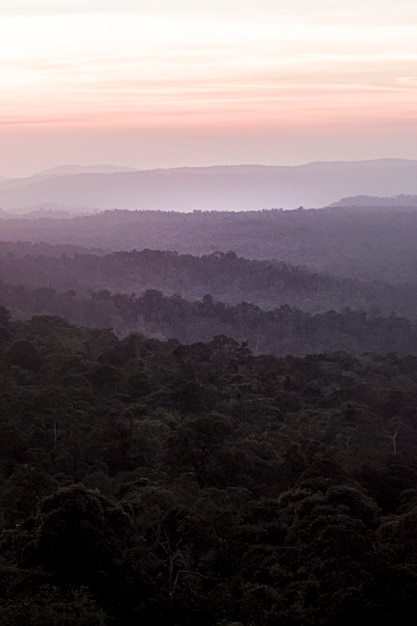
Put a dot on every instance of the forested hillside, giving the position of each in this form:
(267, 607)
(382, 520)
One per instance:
(280, 331)
(225, 276)
(355, 242)
(275, 307)
(155, 483)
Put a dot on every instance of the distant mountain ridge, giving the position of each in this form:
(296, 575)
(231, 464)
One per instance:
(374, 201)
(222, 187)
(70, 170)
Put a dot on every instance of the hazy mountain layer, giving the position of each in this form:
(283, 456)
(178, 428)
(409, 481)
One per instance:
(236, 188)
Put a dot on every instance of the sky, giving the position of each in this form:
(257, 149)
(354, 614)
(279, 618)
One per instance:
(169, 83)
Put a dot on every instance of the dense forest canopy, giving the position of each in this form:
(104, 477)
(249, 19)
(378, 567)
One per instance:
(152, 482)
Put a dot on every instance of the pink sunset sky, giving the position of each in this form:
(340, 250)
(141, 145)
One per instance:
(166, 83)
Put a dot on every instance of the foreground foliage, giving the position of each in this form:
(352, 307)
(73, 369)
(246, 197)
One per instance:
(149, 482)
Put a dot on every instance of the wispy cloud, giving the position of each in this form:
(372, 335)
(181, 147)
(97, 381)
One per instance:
(228, 63)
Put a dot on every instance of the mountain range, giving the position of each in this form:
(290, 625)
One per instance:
(226, 188)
